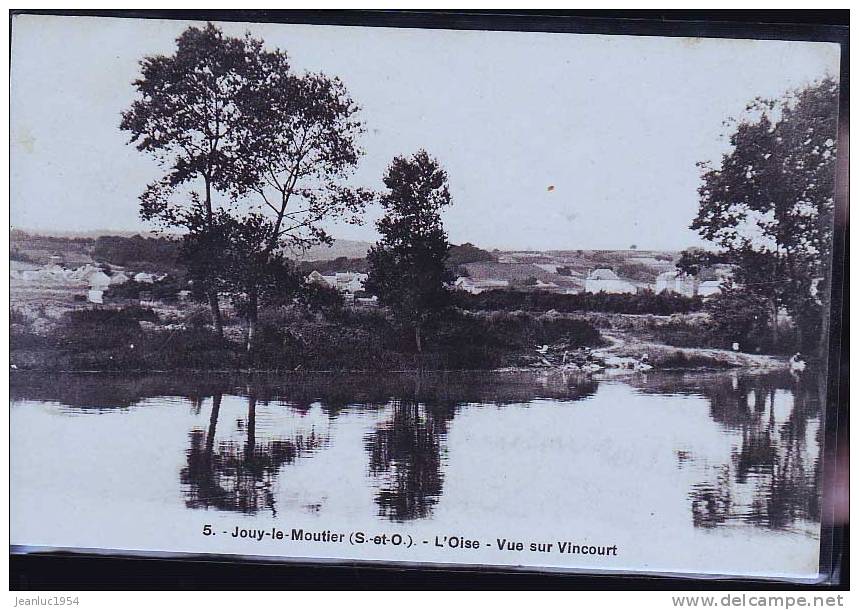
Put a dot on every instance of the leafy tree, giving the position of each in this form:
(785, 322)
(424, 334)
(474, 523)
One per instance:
(408, 270)
(693, 261)
(299, 148)
(740, 316)
(468, 253)
(769, 204)
(229, 115)
(186, 116)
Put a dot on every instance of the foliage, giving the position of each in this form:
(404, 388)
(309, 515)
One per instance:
(85, 329)
(198, 318)
(408, 266)
(468, 253)
(165, 289)
(299, 147)
(16, 316)
(341, 263)
(693, 261)
(277, 145)
(769, 204)
(254, 276)
(645, 302)
(187, 116)
(741, 316)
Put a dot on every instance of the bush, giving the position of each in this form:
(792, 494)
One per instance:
(165, 289)
(93, 329)
(139, 313)
(198, 317)
(468, 341)
(641, 303)
(741, 317)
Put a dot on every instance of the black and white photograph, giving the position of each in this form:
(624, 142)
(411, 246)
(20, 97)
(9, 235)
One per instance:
(527, 300)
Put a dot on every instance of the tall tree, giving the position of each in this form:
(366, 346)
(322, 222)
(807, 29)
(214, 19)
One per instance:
(230, 115)
(299, 148)
(186, 116)
(769, 204)
(408, 270)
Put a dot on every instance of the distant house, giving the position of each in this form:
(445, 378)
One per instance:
(314, 277)
(346, 283)
(474, 286)
(98, 283)
(709, 288)
(118, 277)
(681, 283)
(676, 282)
(606, 280)
(144, 278)
(349, 282)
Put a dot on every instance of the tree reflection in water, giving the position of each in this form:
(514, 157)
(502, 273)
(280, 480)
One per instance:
(235, 476)
(407, 450)
(773, 476)
(406, 458)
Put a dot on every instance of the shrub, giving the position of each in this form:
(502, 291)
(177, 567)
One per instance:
(641, 303)
(198, 317)
(139, 313)
(742, 317)
(93, 329)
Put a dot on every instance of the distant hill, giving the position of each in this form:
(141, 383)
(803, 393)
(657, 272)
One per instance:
(88, 234)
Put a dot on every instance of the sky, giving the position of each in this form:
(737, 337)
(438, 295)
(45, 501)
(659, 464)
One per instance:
(550, 141)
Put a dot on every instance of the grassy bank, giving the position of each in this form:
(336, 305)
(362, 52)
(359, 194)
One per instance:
(362, 339)
(342, 339)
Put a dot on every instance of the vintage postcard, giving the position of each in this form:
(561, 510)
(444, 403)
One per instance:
(508, 299)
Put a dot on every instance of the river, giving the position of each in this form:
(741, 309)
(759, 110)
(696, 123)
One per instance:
(716, 473)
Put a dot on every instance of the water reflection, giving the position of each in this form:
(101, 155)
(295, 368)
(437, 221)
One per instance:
(772, 478)
(760, 466)
(238, 476)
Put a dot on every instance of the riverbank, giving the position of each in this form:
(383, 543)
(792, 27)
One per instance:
(359, 339)
(347, 339)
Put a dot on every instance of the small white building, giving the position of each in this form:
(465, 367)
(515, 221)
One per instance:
(677, 282)
(314, 277)
(347, 283)
(709, 288)
(606, 280)
(118, 277)
(98, 283)
(473, 286)
(144, 278)
(687, 285)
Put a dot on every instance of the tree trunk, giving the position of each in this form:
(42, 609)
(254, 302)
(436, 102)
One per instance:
(213, 424)
(250, 446)
(216, 314)
(418, 338)
(253, 306)
(213, 294)
(775, 325)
